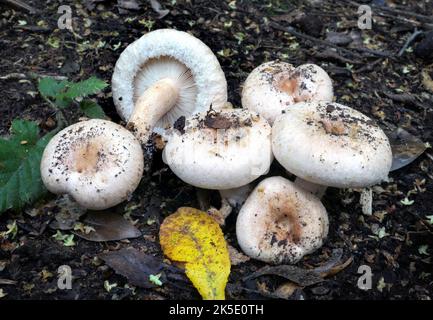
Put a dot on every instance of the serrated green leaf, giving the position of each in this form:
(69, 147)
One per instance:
(92, 110)
(85, 88)
(20, 158)
(62, 101)
(50, 87)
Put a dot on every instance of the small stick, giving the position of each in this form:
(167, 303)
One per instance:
(298, 34)
(292, 31)
(22, 5)
(414, 35)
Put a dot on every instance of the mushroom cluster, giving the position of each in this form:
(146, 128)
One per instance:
(171, 83)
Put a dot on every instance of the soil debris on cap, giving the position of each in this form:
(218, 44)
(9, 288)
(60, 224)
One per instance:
(216, 120)
(179, 124)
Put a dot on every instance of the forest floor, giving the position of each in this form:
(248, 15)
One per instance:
(396, 241)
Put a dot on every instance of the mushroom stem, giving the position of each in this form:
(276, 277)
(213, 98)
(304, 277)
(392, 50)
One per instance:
(317, 189)
(236, 196)
(154, 103)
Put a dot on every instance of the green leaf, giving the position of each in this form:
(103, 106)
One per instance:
(62, 101)
(20, 158)
(92, 110)
(423, 249)
(49, 87)
(155, 279)
(85, 88)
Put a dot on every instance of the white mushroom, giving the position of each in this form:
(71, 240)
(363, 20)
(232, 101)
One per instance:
(164, 75)
(330, 144)
(220, 149)
(273, 86)
(280, 222)
(97, 162)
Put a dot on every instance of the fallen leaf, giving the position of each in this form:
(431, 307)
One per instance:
(306, 277)
(107, 227)
(405, 148)
(128, 4)
(69, 214)
(301, 277)
(193, 237)
(156, 6)
(237, 257)
(338, 38)
(134, 265)
(334, 265)
(7, 282)
(286, 290)
(427, 81)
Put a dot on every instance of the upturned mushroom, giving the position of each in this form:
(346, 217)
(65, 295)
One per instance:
(164, 75)
(280, 222)
(97, 162)
(273, 86)
(329, 144)
(220, 150)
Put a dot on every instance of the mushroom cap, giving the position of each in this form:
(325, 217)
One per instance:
(332, 145)
(168, 53)
(273, 86)
(280, 222)
(220, 149)
(97, 162)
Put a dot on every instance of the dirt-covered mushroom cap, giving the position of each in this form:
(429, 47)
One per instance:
(332, 145)
(97, 162)
(274, 86)
(164, 75)
(280, 222)
(220, 149)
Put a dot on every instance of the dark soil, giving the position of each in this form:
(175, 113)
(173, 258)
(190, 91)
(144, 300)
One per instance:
(244, 34)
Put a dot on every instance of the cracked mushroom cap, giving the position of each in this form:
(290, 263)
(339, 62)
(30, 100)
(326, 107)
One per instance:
(332, 145)
(97, 162)
(280, 222)
(179, 56)
(273, 86)
(220, 149)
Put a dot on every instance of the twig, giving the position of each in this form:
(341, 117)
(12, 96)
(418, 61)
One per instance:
(369, 66)
(409, 40)
(22, 5)
(384, 54)
(298, 34)
(404, 98)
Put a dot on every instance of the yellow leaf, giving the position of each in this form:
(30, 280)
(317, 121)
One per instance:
(193, 237)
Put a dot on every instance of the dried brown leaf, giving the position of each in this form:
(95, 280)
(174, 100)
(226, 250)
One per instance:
(135, 265)
(108, 227)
